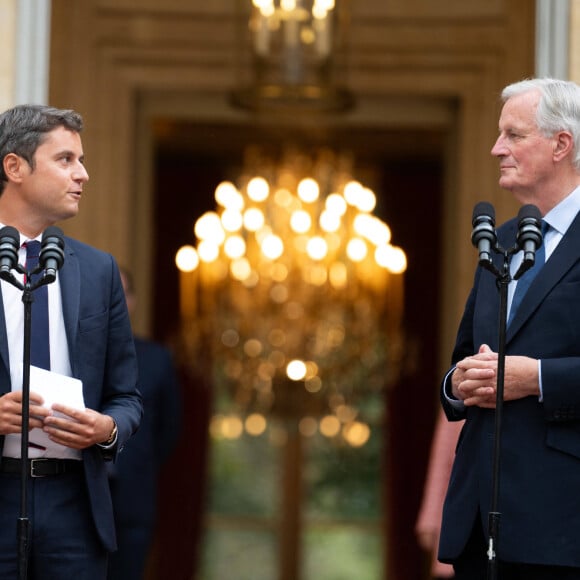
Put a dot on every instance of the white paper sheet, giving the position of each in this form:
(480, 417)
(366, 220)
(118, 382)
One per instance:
(53, 388)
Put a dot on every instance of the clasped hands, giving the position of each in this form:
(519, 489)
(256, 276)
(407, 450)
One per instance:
(70, 427)
(474, 380)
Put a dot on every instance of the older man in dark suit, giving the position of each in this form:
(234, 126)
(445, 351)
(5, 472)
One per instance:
(539, 499)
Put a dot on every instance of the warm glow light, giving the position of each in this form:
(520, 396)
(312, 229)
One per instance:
(272, 247)
(327, 5)
(338, 275)
(232, 220)
(366, 200)
(356, 433)
(187, 259)
(232, 427)
(255, 424)
(288, 284)
(209, 227)
(352, 191)
(356, 250)
(208, 251)
(317, 248)
(241, 269)
(226, 194)
(253, 219)
(258, 189)
(234, 247)
(330, 426)
(391, 258)
(336, 203)
(300, 221)
(288, 5)
(329, 222)
(308, 190)
(296, 370)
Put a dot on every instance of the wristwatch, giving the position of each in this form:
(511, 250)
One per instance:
(112, 436)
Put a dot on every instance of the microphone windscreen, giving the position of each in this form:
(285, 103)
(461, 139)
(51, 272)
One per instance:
(53, 232)
(529, 211)
(483, 208)
(10, 232)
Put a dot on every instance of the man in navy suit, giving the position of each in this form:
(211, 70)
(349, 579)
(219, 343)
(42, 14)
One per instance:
(69, 504)
(134, 476)
(538, 149)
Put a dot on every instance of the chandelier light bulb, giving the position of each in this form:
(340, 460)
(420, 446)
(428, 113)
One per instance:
(226, 193)
(187, 259)
(208, 251)
(253, 219)
(209, 227)
(240, 269)
(356, 250)
(317, 248)
(232, 220)
(272, 246)
(367, 200)
(336, 204)
(296, 370)
(352, 191)
(234, 247)
(258, 189)
(300, 221)
(288, 5)
(329, 222)
(392, 258)
(308, 190)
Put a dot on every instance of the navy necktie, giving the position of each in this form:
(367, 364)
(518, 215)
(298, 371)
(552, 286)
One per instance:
(39, 343)
(528, 276)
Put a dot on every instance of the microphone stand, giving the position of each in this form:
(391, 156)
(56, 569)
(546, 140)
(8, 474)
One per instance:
(494, 516)
(503, 280)
(23, 523)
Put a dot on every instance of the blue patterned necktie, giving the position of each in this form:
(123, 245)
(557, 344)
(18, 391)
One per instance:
(39, 341)
(528, 276)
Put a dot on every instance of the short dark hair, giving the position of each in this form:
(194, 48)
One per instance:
(24, 128)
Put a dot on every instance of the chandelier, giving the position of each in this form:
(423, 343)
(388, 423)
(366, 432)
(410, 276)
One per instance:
(291, 298)
(296, 50)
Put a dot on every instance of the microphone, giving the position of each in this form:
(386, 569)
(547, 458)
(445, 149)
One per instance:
(529, 237)
(9, 246)
(483, 236)
(51, 256)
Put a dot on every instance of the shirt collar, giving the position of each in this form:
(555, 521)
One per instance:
(561, 216)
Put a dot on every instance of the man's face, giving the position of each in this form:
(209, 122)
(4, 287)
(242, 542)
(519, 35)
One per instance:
(53, 188)
(525, 155)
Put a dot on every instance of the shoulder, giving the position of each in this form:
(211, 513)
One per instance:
(89, 257)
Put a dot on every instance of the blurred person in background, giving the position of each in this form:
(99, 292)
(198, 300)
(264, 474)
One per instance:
(134, 476)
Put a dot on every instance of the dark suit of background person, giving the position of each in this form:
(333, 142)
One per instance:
(70, 511)
(135, 474)
(539, 491)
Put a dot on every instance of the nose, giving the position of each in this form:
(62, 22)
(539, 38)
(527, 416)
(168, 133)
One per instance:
(80, 173)
(499, 148)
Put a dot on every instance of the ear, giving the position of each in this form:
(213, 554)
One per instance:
(15, 167)
(563, 145)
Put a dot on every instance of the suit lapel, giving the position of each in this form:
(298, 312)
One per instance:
(4, 341)
(564, 257)
(69, 277)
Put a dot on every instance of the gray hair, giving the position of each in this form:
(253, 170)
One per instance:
(558, 109)
(24, 128)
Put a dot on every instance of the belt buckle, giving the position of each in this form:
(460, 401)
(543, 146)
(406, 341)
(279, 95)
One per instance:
(33, 463)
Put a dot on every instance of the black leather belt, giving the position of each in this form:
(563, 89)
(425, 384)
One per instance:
(42, 467)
